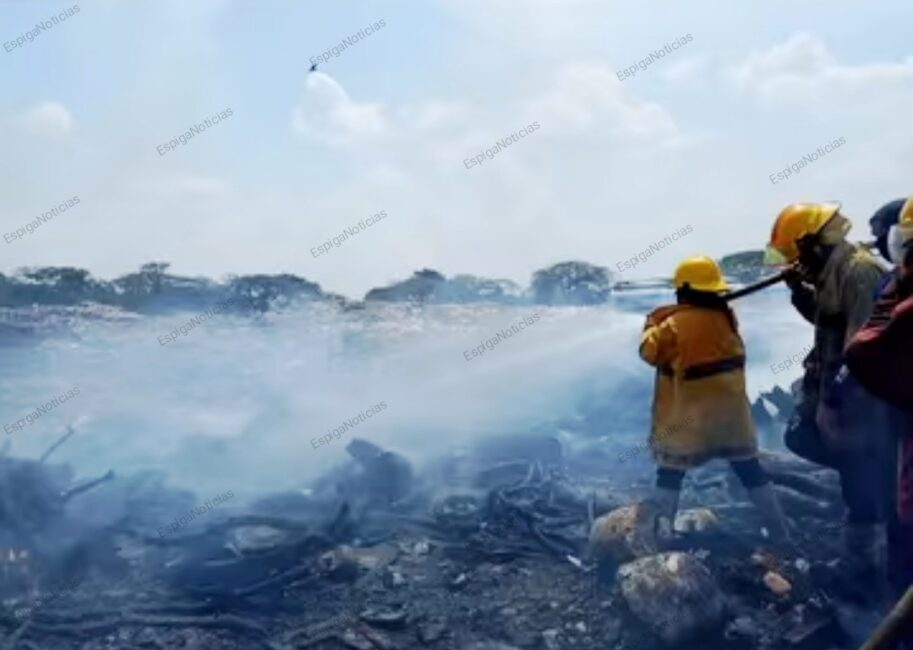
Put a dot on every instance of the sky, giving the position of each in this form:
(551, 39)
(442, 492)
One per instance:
(387, 125)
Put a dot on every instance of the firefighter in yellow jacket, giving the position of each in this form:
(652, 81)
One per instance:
(700, 408)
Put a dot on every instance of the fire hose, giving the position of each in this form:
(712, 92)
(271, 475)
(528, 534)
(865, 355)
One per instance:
(757, 286)
(773, 279)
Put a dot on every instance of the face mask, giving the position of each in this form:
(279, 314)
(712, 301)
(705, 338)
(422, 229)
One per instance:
(895, 244)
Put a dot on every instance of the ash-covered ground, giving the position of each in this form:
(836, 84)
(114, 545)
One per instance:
(481, 549)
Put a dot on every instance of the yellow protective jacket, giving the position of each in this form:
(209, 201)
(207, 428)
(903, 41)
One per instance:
(700, 408)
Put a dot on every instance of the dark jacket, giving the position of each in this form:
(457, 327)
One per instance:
(880, 356)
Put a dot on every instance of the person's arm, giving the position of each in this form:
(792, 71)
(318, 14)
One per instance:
(858, 297)
(878, 355)
(658, 343)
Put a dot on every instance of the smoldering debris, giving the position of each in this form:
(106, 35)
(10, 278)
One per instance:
(489, 547)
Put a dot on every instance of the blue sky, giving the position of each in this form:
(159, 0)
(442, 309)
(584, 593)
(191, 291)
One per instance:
(387, 125)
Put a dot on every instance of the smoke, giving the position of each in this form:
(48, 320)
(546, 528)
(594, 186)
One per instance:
(239, 405)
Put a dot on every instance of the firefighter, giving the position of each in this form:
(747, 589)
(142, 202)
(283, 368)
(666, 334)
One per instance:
(881, 224)
(700, 408)
(833, 286)
(879, 357)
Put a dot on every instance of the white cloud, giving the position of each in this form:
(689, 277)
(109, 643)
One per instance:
(684, 70)
(327, 113)
(803, 68)
(436, 115)
(589, 99)
(47, 119)
(185, 186)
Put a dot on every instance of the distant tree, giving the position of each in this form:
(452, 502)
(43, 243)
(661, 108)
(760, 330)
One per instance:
(745, 266)
(63, 285)
(571, 283)
(66, 275)
(148, 281)
(154, 271)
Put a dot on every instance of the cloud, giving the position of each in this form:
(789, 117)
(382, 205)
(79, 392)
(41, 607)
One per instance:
(589, 100)
(327, 113)
(803, 68)
(583, 99)
(436, 115)
(683, 70)
(180, 186)
(46, 119)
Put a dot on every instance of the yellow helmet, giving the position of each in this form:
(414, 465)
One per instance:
(796, 221)
(906, 214)
(701, 273)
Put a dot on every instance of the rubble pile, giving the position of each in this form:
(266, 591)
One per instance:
(506, 546)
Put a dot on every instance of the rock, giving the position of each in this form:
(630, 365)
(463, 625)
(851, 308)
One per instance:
(356, 640)
(459, 511)
(431, 631)
(766, 560)
(388, 617)
(673, 594)
(489, 645)
(550, 639)
(380, 640)
(742, 628)
(254, 539)
(624, 534)
(387, 476)
(777, 583)
(696, 520)
(395, 579)
(459, 582)
(349, 562)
